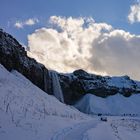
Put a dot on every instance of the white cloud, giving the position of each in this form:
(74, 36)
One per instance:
(28, 22)
(18, 24)
(74, 43)
(31, 21)
(134, 15)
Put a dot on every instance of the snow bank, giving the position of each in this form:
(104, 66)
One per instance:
(112, 105)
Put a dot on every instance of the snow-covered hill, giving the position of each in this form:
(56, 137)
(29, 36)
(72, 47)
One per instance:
(112, 105)
(26, 112)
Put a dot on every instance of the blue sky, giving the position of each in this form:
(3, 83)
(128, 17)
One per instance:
(97, 47)
(112, 12)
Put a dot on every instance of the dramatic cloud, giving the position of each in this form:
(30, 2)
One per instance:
(28, 22)
(134, 15)
(74, 43)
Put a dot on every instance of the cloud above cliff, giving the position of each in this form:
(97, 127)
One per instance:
(75, 43)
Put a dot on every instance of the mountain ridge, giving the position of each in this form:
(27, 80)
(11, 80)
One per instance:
(74, 86)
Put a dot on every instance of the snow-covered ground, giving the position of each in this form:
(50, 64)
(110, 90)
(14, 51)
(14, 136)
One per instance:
(116, 128)
(28, 113)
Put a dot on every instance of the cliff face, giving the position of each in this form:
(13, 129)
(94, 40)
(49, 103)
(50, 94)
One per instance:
(14, 56)
(79, 83)
(74, 85)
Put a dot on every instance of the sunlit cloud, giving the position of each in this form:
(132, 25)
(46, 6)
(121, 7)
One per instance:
(82, 43)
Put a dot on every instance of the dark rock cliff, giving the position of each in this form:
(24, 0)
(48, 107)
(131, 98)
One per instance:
(14, 56)
(79, 83)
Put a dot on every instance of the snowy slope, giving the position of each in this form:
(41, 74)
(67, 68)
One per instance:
(120, 82)
(112, 105)
(26, 112)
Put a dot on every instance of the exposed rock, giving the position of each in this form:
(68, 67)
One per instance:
(72, 88)
(79, 83)
(14, 56)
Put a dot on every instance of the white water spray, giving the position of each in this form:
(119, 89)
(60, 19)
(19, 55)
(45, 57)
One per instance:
(45, 80)
(57, 91)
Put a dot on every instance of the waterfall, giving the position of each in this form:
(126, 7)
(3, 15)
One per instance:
(57, 91)
(45, 81)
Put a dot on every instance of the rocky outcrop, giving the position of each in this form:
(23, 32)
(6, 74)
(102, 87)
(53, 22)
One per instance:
(79, 83)
(14, 56)
(71, 87)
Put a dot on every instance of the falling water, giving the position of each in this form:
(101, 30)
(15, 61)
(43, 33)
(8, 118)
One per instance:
(57, 91)
(45, 81)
